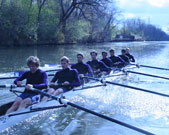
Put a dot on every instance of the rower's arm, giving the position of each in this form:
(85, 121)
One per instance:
(43, 85)
(55, 78)
(76, 79)
(21, 78)
(89, 70)
(103, 67)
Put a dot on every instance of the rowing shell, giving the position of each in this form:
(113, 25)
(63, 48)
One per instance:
(8, 121)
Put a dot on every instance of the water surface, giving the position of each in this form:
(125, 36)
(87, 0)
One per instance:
(147, 111)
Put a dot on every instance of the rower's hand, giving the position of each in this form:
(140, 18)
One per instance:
(66, 83)
(29, 86)
(97, 71)
(52, 84)
(19, 83)
(117, 63)
(81, 75)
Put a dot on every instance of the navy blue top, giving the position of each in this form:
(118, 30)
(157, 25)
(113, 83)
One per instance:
(68, 74)
(107, 62)
(82, 68)
(131, 58)
(116, 59)
(125, 58)
(37, 79)
(96, 64)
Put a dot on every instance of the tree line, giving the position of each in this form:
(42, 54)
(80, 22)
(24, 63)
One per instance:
(146, 31)
(29, 22)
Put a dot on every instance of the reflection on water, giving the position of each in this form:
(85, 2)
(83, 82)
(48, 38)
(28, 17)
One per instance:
(12, 59)
(143, 110)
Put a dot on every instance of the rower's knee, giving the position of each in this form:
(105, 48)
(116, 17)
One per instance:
(58, 91)
(51, 91)
(26, 102)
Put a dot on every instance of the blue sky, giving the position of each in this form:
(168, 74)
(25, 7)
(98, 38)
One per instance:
(155, 12)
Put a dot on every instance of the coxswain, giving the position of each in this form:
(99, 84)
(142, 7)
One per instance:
(131, 58)
(98, 67)
(66, 78)
(35, 78)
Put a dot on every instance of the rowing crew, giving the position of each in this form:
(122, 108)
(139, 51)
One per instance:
(67, 78)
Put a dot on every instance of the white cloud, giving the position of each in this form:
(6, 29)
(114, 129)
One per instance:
(158, 3)
(136, 3)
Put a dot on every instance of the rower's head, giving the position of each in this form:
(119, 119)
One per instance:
(104, 54)
(123, 52)
(33, 63)
(112, 52)
(65, 62)
(127, 50)
(80, 57)
(93, 55)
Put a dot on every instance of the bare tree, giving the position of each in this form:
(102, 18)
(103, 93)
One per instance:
(81, 8)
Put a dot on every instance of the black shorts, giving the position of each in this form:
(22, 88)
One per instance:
(35, 98)
(65, 89)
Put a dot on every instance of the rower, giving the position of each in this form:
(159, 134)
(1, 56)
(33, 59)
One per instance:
(66, 78)
(35, 78)
(117, 62)
(82, 68)
(98, 67)
(124, 58)
(131, 58)
(105, 60)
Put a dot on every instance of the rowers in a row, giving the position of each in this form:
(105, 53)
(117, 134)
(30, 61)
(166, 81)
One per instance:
(66, 79)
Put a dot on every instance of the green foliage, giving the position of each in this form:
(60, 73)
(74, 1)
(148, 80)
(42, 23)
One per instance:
(77, 30)
(26, 22)
(13, 25)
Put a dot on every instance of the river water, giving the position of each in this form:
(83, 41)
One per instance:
(143, 110)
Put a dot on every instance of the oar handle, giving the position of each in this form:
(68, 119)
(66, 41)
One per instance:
(10, 86)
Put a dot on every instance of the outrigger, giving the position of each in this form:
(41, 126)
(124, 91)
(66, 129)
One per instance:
(9, 120)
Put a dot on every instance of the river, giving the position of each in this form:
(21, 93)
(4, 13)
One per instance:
(143, 110)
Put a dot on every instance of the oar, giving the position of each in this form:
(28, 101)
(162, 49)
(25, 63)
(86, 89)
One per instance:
(51, 70)
(150, 67)
(156, 76)
(66, 102)
(14, 77)
(10, 86)
(127, 86)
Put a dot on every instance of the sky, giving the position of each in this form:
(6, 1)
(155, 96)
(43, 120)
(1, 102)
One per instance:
(155, 12)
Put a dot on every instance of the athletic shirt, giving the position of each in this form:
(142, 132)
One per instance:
(96, 64)
(115, 59)
(82, 68)
(69, 75)
(125, 58)
(107, 62)
(131, 58)
(37, 79)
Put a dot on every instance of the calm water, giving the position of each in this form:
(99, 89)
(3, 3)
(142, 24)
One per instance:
(143, 110)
